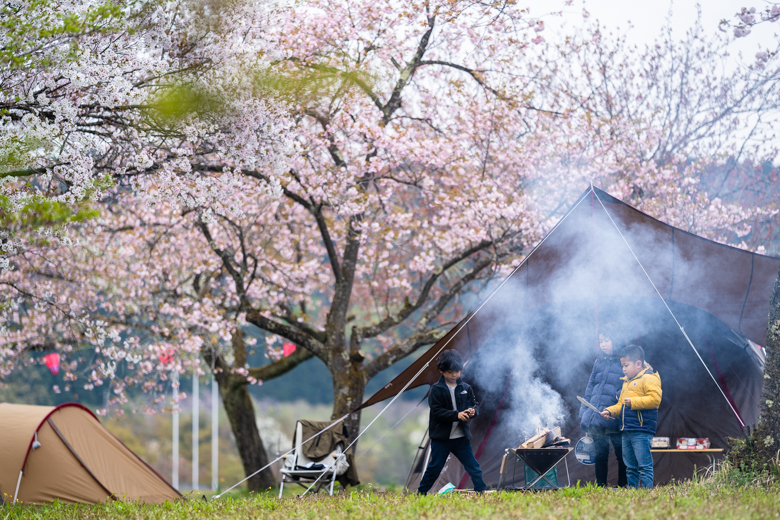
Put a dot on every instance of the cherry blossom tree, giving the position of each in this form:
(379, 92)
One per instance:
(759, 449)
(94, 92)
(169, 98)
(441, 141)
(749, 17)
(716, 129)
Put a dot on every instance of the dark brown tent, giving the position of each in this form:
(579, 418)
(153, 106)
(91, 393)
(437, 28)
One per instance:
(529, 346)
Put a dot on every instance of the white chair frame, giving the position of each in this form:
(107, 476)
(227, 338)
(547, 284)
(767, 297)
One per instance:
(290, 473)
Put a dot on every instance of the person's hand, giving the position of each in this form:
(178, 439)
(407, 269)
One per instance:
(627, 402)
(464, 415)
(606, 415)
(471, 412)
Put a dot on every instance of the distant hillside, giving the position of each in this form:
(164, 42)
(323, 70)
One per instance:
(310, 382)
(318, 387)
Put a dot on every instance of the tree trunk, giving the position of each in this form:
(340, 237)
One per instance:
(241, 413)
(349, 388)
(767, 434)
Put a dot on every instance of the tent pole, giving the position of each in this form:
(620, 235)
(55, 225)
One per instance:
(18, 481)
(214, 434)
(175, 441)
(195, 428)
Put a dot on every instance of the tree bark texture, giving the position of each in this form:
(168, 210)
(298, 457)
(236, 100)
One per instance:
(349, 386)
(767, 434)
(239, 406)
(241, 413)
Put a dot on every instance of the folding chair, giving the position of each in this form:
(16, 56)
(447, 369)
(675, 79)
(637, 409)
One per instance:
(299, 469)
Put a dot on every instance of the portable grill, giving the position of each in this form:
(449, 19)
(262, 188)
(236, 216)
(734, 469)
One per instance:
(540, 460)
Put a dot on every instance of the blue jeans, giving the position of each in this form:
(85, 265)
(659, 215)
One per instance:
(638, 459)
(461, 448)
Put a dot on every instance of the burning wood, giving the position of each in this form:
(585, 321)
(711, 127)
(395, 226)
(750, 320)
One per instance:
(545, 438)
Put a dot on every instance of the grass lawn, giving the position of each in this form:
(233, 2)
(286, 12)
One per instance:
(705, 500)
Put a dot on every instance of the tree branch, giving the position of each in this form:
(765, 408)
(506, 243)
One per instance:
(409, 308)
(286, 331)
(475, 74)
(406, 74)
(401, 350)
(424, 337)
(281, 366)
(227, 261)
(316, 212)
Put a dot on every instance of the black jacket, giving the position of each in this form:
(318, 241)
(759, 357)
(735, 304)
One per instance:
(442, 415)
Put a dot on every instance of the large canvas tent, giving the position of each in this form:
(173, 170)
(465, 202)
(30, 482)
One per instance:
(699, 309)
(64, 453)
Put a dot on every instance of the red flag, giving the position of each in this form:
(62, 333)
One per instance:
(288, 348)
(53, 362)
(166, 356)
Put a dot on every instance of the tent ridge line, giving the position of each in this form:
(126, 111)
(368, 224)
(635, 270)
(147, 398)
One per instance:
(78, 458)
(471, 314)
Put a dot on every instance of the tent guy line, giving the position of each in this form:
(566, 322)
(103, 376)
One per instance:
(742, 424)
(425, 366)
(280, 457)
(413, 378)
(393, 427)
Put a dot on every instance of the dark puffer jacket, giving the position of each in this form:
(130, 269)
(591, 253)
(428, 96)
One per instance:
(442, 415)
(603, 390)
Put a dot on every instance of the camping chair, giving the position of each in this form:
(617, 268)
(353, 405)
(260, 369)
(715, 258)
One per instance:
(299, 469)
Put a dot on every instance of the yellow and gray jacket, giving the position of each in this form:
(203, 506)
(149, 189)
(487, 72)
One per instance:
(645, 393)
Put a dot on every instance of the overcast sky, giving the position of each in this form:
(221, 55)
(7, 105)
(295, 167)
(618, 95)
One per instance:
(649, 16)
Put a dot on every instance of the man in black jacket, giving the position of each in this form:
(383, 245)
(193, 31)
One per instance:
(452, 404)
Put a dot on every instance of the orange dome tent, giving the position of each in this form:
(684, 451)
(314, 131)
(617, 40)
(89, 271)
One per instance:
(64, 453)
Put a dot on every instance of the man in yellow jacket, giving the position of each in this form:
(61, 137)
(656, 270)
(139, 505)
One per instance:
(638, 409)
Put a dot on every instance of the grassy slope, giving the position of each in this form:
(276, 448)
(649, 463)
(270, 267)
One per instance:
(686, 501)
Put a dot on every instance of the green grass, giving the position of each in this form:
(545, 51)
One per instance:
(707, 500)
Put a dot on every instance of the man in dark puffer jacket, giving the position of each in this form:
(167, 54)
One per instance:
(603, 390)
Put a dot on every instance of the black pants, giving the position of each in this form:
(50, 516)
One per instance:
(461, 448)
(601, 443)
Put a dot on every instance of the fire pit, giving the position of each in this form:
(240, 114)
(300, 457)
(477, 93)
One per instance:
(540, 460)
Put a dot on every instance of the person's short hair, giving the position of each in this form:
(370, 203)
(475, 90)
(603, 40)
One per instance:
(634, 353)
(614, 332)
(450, 361)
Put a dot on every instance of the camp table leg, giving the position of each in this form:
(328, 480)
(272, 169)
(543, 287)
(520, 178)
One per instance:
(281, 486)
